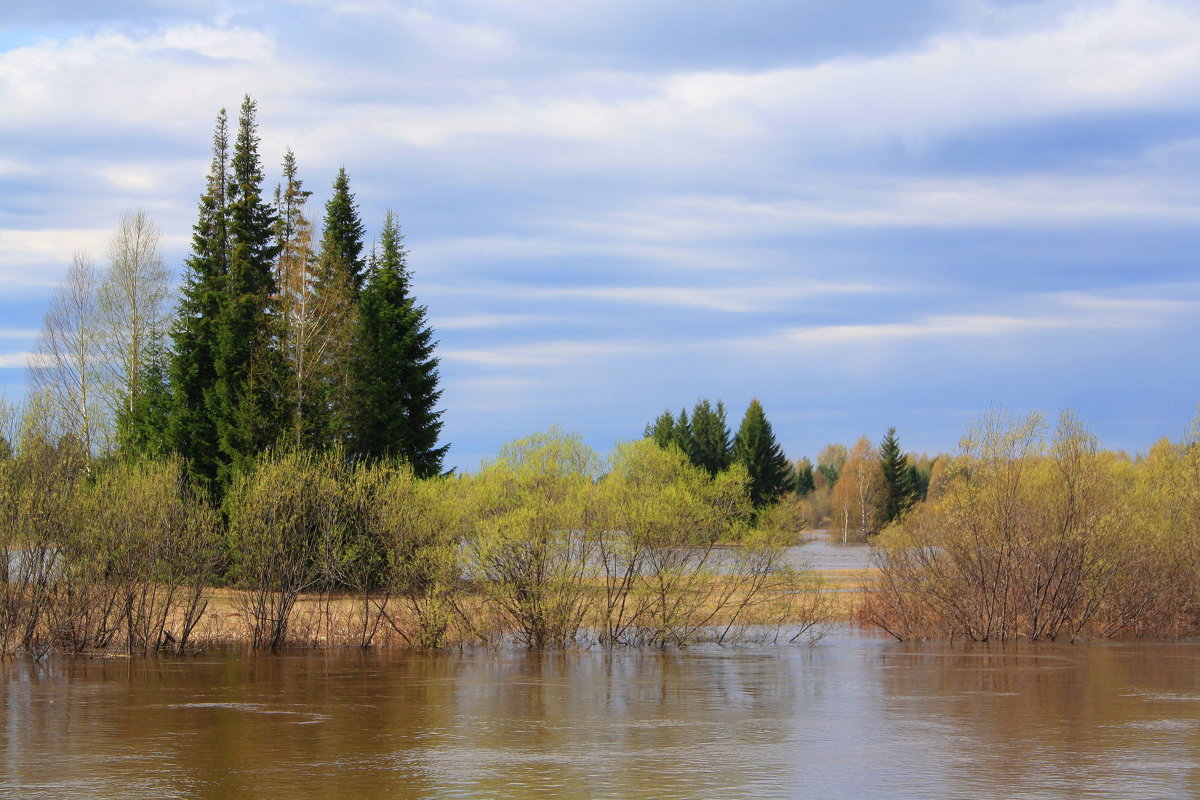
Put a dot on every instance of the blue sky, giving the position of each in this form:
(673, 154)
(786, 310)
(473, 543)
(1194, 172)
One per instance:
(864, 213)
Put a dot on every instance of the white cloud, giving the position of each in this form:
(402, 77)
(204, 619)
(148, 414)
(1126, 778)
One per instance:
(1130, 55)
(474, 321)
(547, 353)
(1054, 312)
(38, 258)
(15, 360)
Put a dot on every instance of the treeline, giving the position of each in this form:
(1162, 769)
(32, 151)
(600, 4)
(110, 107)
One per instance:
(546, 546)
(856, 492)
(1037, 534)
(279, 337)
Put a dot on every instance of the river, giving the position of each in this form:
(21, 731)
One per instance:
(855, 716)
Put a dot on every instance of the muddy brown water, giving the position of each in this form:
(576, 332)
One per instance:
(855, 716)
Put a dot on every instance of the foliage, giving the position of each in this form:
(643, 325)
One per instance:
(248, 407)
(704, 437)
(1043, 537)
(898, 488)
(804, 477)
(392, 395)
(769, 471)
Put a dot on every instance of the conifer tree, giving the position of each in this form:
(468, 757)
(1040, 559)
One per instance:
(805, 482)
(337, 283)
(193, 423)
(711, 448)
(662, 430)
(143, 426)
(309, 320)
(770, 472)
(342, 236)
(896, 477)
(249, 369)
(683, 434)
(393, 392)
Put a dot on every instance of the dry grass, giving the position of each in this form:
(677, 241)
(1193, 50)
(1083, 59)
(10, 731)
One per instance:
(337, 621)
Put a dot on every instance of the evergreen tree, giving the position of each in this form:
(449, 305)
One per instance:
(683, 434)
(249, 369)
(308, 319)
(337, 285)
(193, 424)
(804, 477)
(711, 448)
(393, 373)
(896, 477)
(143, 427)
(662, 430)
(342, 236)
(771, 474)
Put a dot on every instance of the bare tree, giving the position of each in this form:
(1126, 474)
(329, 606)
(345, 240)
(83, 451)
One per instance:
(132, 309)
(316, 313)
(65, 363)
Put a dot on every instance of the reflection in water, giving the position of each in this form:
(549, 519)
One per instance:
(855, 716)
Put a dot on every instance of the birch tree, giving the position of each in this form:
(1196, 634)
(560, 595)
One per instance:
(65, 364)
(132, 311)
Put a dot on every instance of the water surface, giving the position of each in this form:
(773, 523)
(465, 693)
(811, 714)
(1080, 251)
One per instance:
(852, 717)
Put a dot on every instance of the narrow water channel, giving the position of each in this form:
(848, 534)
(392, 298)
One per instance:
(855, 716)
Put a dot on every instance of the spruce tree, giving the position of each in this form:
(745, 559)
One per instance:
(683, 434)
(771, 474)
(804, 476)
(662, 430)
(249, 368)
(193, 376)
(308, 320)
(143, 426)
(896, 477)
(337, 285)
(711, 448)
(342, 236)
(393, 394)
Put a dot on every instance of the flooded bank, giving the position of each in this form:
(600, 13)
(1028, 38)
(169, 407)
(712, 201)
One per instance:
(854, 716)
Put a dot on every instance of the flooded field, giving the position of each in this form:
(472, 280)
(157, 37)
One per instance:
(854, 716)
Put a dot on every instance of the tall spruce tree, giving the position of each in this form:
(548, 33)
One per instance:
(249, 368)
(897, 479)
(711, 448)
(342, 236)
(771, 474)
(193, 372)
(393, 392)
(337, 284)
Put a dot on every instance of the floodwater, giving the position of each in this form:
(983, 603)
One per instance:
(823, 551)
(855, 716)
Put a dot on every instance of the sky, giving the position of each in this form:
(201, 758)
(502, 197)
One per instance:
(864, 213)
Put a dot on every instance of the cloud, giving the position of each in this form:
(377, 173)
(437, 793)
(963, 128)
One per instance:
(1055, 312)
(475, 321)
(1132, 55)
(535, 354)
(15, 360)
